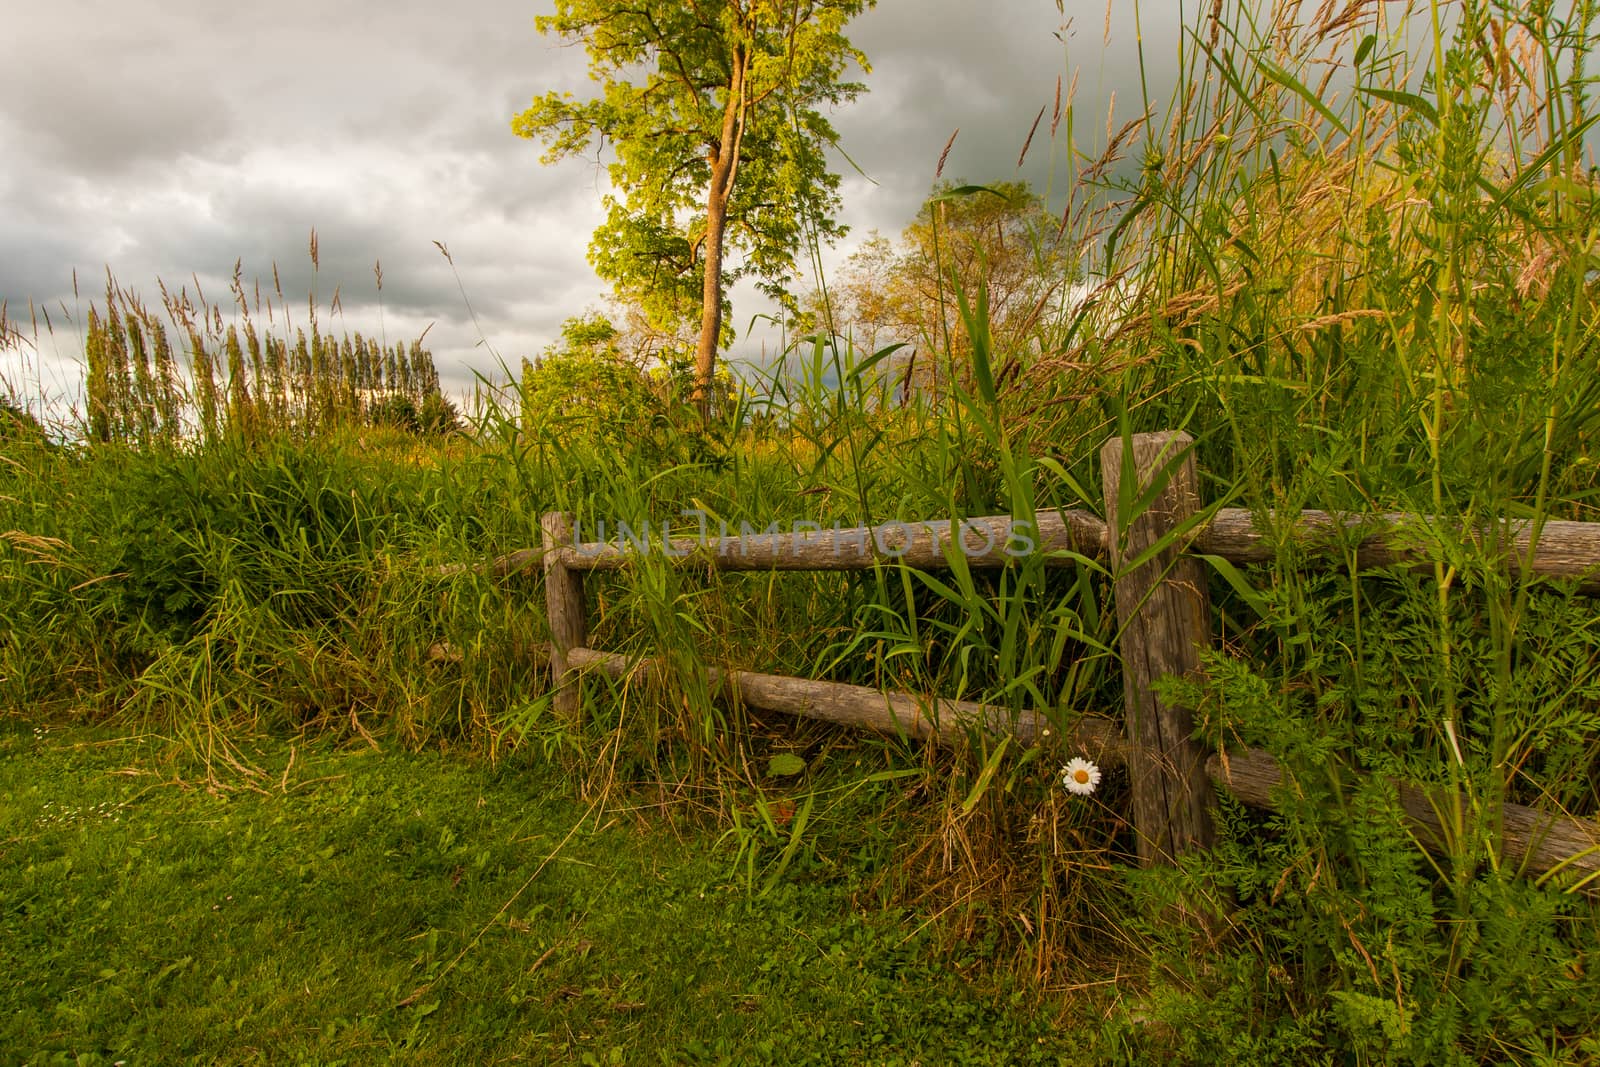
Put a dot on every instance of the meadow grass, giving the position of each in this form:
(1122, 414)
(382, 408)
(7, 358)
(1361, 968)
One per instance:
(317, 903)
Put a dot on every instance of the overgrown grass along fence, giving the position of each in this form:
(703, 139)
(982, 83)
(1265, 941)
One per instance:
(1154, 542)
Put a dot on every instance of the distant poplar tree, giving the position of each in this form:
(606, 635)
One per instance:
(391, 364)
(142, 401)
(203, 370)
(300, 362)
(322, 370)
(363, 380)
(97, 382)
(277, 380)
(121, 381)
(402, 366)
(344, 385)
(239, 413)
(169, 404)
(425, 379)
(258, 363)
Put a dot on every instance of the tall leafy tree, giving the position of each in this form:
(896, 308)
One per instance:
(998, 238)
(713, 111)
(868, 298)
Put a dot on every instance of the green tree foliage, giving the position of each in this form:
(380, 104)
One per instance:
(996, 239)
(585, 387)
(714, 114)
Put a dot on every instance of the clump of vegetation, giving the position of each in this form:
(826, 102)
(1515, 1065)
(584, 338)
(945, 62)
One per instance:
(998, 238)
(588, 388)
(1365, 271)
(18, 423)
(241, 382)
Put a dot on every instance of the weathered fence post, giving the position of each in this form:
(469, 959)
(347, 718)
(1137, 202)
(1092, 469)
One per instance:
(563, 597)
(1165, 623)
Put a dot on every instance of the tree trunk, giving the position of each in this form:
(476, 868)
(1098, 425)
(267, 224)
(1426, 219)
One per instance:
(724, 159)
(705, 356)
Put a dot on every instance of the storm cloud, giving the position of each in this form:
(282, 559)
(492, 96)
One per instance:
(172, 141)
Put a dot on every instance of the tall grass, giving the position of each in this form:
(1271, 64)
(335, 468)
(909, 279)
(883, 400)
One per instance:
(275, 586)
(1359, 254)
(242, 370)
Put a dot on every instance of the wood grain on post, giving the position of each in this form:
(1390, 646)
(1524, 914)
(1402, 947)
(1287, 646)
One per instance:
(1165, 623)
(569, 623)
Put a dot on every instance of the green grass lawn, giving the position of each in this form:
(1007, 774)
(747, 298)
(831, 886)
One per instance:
(348, 906)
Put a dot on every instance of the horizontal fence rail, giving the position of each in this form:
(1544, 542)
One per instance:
(899, 714)
(1563, 550)
(1164, 622)
(1537, 841)
(987, 542)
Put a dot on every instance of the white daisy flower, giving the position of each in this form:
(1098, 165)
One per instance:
(1080, 777)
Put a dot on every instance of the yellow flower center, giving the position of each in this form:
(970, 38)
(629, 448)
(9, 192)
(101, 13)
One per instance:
(1080, 776)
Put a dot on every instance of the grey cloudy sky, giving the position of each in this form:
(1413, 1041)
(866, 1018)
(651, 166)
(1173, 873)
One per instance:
(168, 138)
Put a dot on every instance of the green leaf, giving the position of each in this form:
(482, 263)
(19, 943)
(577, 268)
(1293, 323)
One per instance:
(975, 318)
(1275, 73)
(785, 765)
(1536, 167)
(961, 191)
(873, 360)
(985, 776)
(1066, 478)
(1247, 592)
(1408, 100)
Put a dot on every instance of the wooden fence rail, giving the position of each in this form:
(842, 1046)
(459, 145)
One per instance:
(1164, 623)
(1564, 550)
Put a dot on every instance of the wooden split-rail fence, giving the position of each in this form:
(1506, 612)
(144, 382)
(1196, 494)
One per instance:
(1164, 621)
